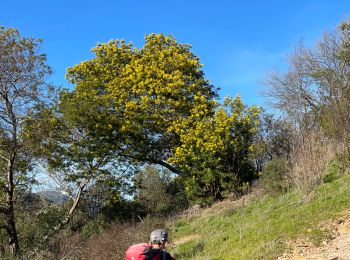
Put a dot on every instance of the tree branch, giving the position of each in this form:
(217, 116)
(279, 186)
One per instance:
(166, 165)
(68, 216)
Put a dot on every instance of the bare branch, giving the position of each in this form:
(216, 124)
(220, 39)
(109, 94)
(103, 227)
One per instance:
(68, 216)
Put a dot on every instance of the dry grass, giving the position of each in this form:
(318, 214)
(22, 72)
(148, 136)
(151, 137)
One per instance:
(71, 245)
(310, 157)
(113, 243)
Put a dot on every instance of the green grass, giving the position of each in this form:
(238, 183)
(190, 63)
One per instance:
(260, 229)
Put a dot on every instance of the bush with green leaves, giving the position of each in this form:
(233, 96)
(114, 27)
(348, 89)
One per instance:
(274, 176)
(159, 191)
(217, 152)
(338, 166)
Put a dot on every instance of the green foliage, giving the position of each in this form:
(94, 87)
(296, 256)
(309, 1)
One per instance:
(274, 176)
(22, 85)
(344, 52)
(93, 227)
(78, 155)
(159, 191)
(71, 147)
(216, 152)
(151, 185)
(139, 95)
(335, 119)
(339, 166)
(332, 172)
(46, 219)
(34, 219)
(343, 159)
(122, 111)
(274, 140)
(22, 89)
(124, 210)
(104, 192)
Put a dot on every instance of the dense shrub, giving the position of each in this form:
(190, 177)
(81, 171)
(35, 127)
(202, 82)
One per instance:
(159, 191)
(274, 176)
(337, 167)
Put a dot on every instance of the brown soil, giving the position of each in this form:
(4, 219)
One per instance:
(184, 239)
(336, 247)
(227, 205)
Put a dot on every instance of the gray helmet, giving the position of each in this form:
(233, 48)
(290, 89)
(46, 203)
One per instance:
(159, 236)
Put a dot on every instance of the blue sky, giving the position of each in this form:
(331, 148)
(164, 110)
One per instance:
(239, 42)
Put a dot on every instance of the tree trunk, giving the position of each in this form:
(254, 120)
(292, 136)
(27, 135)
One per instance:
(68, 216)
(10, 216)
(12, 232)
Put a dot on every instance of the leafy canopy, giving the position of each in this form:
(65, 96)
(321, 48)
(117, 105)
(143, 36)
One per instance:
(23, 88)
(216, 152)
(140, 95)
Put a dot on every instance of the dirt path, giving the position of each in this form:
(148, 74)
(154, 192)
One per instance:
(337, 247)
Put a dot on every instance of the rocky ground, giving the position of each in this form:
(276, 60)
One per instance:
(336, 247)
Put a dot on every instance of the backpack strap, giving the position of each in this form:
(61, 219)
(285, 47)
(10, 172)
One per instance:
(159, 254)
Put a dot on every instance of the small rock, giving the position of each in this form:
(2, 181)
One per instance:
(335, 234)
(340, 221)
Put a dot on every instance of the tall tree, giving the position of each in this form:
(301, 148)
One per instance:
(122, 110)
(274, 140)
(314, 92)
(23, 72)
(216, 153)
(79, 156)
(141, 93)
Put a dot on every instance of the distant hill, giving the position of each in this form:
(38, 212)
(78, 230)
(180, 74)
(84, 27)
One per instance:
(53, 196)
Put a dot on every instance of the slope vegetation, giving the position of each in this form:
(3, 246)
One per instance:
(263, 228)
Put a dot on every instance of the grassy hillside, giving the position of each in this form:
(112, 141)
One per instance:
(261, 229)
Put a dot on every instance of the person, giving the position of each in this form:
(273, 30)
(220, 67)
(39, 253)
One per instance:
(159, 242)
(154, 250)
